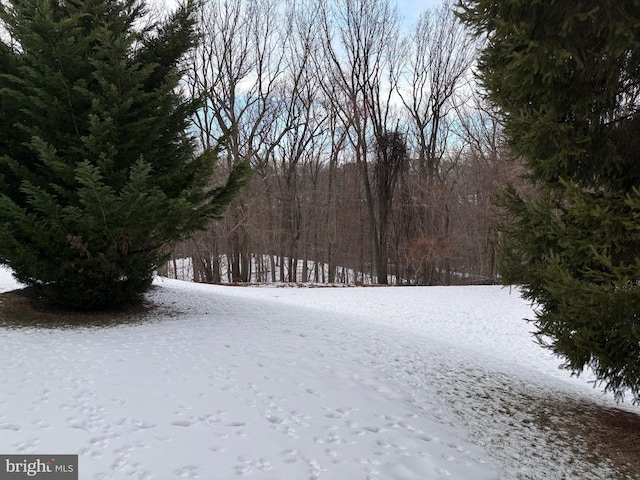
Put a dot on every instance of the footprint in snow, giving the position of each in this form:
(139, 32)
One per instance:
(264, 464)
(243, 469)
(183, 423)
(190, 471)
(237, 424)
(331, 452)
(41, 424)
(274, 419)
(142, 425)
(10, 426)
(123, 451)
(99, 442)
(290, 455)
(96, 454)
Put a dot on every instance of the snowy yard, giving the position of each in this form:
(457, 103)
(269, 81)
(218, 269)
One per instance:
(222, 382)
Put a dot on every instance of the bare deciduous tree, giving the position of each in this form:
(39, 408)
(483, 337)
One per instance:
(368, 151)
(359, 45)
(437, 65)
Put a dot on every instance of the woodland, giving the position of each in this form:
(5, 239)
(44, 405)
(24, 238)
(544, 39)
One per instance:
(375, 157)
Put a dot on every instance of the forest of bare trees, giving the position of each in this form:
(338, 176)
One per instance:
(375, 159)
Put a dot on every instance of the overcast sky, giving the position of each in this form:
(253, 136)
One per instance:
(411, 9)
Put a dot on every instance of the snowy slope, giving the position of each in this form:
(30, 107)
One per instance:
(281, 383)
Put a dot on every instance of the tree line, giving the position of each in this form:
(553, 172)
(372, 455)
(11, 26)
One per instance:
(371, 148)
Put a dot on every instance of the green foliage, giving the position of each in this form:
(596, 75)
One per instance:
(98, 174)
(566, 79)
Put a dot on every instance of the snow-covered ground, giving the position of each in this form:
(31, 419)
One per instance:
(224, 382)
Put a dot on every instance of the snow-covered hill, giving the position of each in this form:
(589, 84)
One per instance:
(224, 382)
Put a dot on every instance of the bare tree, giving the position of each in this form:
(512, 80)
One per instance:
(369, 152)
(359, 44)
(433, 78)
(487, 168)
(236, 69)
(295, 131)
(436, 67)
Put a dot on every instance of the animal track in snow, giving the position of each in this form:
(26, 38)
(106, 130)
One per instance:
(10, 426)
(183, 423)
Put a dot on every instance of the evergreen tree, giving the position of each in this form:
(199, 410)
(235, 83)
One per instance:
(566, 78)
(98, 173)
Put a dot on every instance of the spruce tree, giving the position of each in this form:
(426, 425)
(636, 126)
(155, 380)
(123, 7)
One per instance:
(98, 172)
(565, 76)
